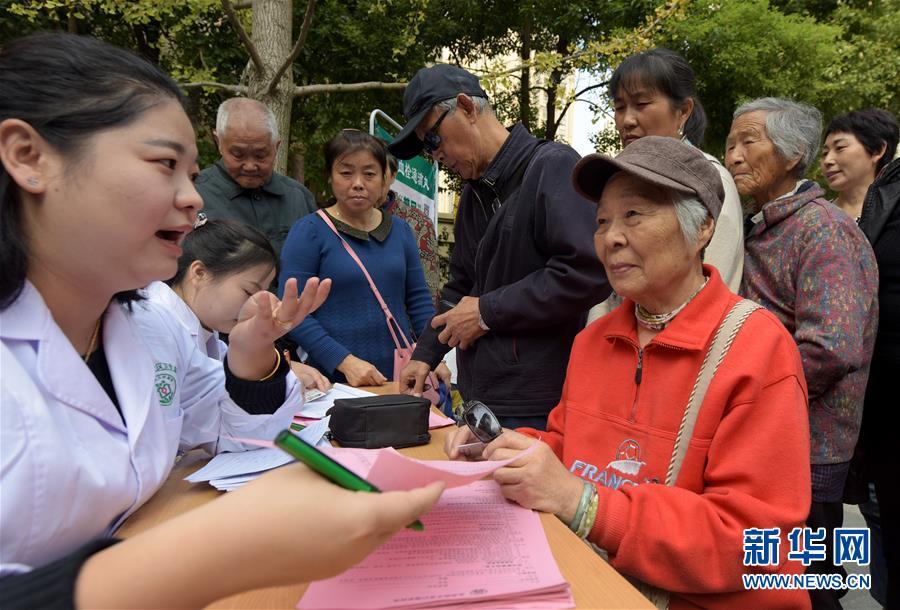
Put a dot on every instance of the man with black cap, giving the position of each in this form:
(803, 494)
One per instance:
(523, 272)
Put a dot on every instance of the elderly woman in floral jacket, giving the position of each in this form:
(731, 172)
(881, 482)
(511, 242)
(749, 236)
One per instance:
(810, 265)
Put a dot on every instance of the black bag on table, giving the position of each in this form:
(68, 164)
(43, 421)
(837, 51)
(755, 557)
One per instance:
(372, 422)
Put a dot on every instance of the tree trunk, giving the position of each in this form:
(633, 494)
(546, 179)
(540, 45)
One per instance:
(525, 83)
(556, 76)
(298, 165)
(271, 35)
(146, 38)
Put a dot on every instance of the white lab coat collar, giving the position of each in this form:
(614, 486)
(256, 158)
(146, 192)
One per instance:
(61, 368)
(209, 343)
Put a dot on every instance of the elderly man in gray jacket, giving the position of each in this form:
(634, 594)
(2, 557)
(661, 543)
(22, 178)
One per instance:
(243, 184)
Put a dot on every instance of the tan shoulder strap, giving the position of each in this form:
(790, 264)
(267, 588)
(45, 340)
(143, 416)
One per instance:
(717, 350)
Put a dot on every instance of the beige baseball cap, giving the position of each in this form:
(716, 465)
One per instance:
(665, 162)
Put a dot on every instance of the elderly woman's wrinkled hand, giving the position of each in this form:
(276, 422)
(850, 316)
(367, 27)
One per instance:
(452, 441)
(539, 480)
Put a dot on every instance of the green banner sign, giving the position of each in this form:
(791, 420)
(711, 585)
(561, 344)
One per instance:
(416, 183)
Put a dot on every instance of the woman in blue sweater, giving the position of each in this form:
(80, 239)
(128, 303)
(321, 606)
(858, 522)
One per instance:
(347, 338)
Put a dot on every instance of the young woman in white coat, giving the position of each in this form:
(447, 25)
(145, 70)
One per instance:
(99, 391)
(224, 263)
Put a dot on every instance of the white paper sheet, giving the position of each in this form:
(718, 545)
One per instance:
(240, 463)
(314, 432)
(316, 409)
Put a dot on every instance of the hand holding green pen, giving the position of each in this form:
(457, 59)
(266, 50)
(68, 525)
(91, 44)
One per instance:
(327, 467)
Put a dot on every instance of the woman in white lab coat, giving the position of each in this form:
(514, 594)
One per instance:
(99, 391)
(223, 263)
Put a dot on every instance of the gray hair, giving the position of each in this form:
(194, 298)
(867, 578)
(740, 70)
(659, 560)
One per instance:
(481, 105)
(225, 109)
(691, 216)
(794, 128)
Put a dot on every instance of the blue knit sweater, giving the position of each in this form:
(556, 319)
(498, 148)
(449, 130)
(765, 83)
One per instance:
(351, 321)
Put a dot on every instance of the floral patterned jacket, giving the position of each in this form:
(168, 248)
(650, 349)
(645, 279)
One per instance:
(809, 264)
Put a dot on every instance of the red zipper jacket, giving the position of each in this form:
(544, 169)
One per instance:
(747, 465)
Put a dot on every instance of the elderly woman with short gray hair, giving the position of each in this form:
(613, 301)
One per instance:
(808, 263)
(638, 458)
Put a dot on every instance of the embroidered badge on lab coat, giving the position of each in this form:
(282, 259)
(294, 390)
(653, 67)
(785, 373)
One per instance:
(165, 383)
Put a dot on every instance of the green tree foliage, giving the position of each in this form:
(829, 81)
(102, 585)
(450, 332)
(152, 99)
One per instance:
(355, 40)
(746, 49)
(536, 36)
(183, 36)
(868, 73)
(836, 54)
(833, 54)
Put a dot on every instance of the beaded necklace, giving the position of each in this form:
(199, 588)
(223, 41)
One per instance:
(658, 321)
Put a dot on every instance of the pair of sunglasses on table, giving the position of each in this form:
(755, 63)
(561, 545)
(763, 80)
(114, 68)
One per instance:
(483, 424)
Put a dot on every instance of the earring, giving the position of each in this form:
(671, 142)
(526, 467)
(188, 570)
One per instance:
(32, 182)
(681, 131)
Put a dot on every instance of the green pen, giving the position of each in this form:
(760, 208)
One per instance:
(299, 449)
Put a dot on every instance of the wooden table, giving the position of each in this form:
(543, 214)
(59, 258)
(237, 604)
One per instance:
(595, 584)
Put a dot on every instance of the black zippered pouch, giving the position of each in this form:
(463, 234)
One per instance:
(392, 420)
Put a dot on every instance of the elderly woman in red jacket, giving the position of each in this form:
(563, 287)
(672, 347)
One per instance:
(623, 461)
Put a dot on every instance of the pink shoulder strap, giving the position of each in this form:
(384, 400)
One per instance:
(397, 334)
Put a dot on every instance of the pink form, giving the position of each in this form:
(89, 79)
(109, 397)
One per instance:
(438, 421)
(390, 470)
(476, 548)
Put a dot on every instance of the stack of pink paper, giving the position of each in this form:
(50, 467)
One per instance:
(477, 551)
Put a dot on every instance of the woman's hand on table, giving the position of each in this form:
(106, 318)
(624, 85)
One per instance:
(539, 480)
(310, 377)
(359, 372)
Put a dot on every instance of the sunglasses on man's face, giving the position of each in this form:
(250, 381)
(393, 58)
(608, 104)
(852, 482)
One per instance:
(431, 141)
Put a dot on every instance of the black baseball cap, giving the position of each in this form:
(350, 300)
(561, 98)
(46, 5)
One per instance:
(428, 87)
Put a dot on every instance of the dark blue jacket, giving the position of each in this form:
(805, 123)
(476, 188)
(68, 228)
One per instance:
(524, 246)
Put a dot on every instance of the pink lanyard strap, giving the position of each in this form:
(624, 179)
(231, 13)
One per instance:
(388, 316)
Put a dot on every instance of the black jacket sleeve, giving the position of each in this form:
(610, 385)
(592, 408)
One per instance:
(51, 587)
(573, 278)
(467, 231)
(257, 397)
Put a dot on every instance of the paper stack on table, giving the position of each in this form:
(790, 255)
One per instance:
(477, 551)
(387, 469)
(228, 471)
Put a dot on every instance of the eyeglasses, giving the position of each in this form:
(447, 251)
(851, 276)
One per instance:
(431, 141)
(481, 421)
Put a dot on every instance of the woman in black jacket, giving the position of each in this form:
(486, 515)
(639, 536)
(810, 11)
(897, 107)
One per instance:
(880, 221)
